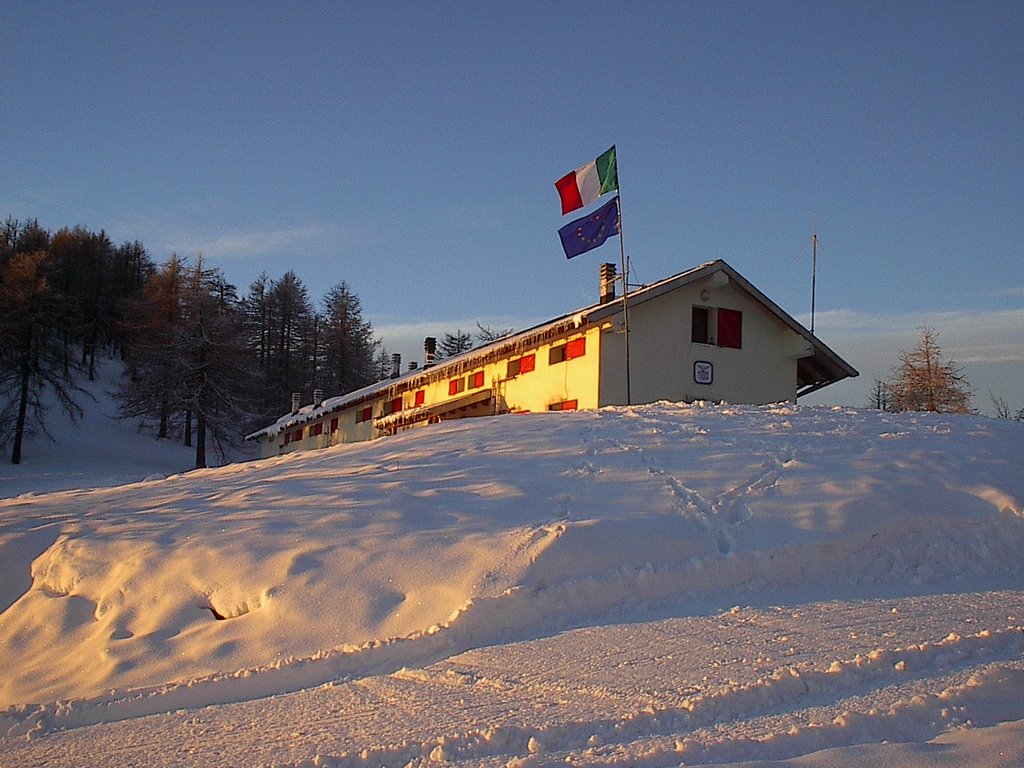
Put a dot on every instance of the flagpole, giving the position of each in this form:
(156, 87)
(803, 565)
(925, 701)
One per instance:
(625, 292)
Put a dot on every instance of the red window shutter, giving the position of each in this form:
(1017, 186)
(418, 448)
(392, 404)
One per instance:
(287, 437)
(527, 363)
(421, 397)
(730, 328)
(576, 348)
(334, 425)
(396, 405)
(478, 379)
(316, 429)
(455, 386)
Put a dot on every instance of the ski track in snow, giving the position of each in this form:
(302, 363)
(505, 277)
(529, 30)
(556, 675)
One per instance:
(533, 590)
(746, 683)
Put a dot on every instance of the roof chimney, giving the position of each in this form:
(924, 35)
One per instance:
(295, 403)
(396, 365)
(429, 351)
(413, 365)
(607, 283)
(318, 397)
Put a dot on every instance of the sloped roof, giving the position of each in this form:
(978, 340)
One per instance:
(822, 368)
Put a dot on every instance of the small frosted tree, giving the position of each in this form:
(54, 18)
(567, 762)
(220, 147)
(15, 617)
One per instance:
(485, 334)
(881, 395)
(923, 381)
(1002, 409)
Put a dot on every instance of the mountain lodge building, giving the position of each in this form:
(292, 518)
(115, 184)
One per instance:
(704, 334)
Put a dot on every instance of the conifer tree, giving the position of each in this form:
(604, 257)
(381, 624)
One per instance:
(153, 387)
(188, 362)
(31, 355)
(452, 344)
(290, 313)
(923, 381)
(349, 345)
(213, 357)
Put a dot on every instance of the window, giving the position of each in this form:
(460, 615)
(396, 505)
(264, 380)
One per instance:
(296, 435)
(456, 385)
(568, 351)
(723, 327)
(316, 429)
(565, 405)
(700, 326)
(287, 437)
(395, 405)
(334, 425)
(365, 415)
(421, 397)
(523, 364)
(476, 380)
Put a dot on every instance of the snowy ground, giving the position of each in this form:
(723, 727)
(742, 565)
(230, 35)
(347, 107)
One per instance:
(645, 586)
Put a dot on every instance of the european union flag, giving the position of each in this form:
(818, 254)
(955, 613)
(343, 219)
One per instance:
(591, 231)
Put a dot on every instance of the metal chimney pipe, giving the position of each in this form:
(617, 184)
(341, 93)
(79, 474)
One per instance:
(318, 397)
(295, 403)
(429, 351)
(607, 283)
(396, 365)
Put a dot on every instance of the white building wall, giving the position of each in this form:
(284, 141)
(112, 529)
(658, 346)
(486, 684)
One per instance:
(552, 383)
(662, 355)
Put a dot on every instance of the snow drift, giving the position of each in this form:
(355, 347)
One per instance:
(279, 575)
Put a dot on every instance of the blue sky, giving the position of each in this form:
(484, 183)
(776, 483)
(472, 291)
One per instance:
(411, 150)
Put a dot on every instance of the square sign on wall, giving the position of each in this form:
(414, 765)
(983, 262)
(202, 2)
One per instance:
(703, 372)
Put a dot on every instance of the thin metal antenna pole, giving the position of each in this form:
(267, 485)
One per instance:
(814, 268)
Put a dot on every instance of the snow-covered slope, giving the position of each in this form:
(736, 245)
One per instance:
(98, 450)
(633, 586)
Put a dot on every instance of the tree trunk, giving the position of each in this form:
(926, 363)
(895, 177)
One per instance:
(200, 441)
(26, 371)
(164, 408)
(188, 427)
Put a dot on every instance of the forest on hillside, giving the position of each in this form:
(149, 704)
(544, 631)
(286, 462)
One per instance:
(204, 365)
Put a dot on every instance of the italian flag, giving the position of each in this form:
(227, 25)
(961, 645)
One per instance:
(584, 185)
